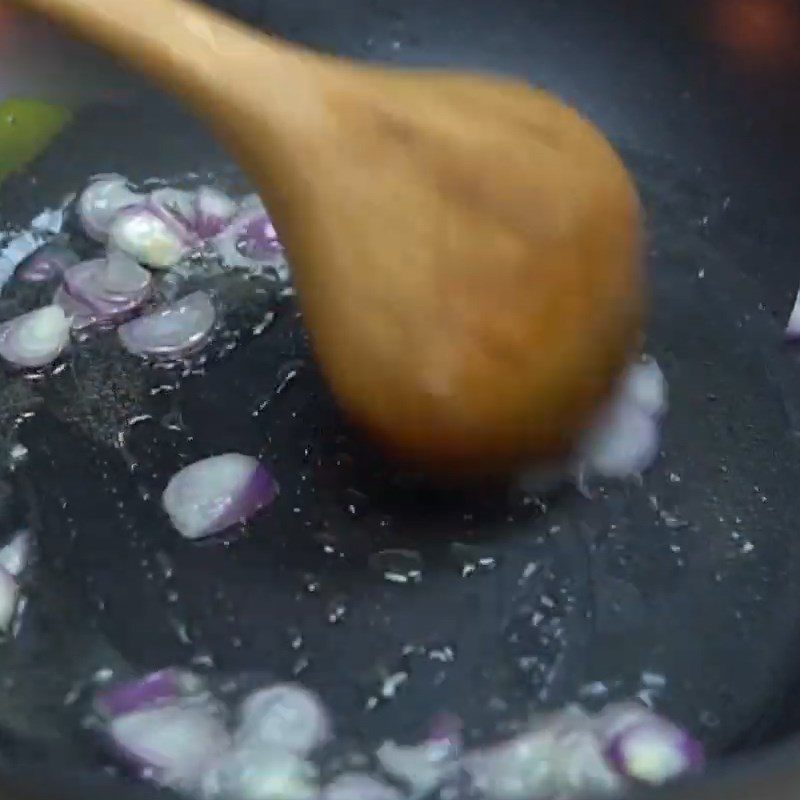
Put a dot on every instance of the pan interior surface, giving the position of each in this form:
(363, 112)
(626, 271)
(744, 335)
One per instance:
(680, 590)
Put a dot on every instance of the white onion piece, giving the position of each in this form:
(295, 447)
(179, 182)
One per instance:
(624, 442)
(9, 595)
(210, 495)
(793, 325)
(358, 786)
(101, 201)
(173, 745)
(260, 774)
(152, 238)
(422, 767)
(213, 210)
(624, 439)
(15, 556)
(518, 769)
(645, 385)
(175, 330)
(36, 338)
(285, 716)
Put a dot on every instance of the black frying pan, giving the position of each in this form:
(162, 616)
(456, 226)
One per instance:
(694, 575)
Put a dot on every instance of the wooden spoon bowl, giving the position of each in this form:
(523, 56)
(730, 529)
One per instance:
(467, 250)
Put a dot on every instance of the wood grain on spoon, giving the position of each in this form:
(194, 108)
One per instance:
(467, 250)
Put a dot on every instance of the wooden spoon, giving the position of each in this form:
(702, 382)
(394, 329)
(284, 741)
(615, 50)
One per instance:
(467, 250)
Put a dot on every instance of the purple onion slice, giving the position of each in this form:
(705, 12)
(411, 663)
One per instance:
(210, 495)
(251, 239)
(35, 339)
(101, 201)
(213, 211)
(164, 687)
(646, 748)
(177, 202)
(48, 262)
(110, 288)
(285, 716)
(171, 331)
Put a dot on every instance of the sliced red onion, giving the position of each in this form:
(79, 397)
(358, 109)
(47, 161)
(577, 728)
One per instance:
(251, 239)
(111, 288)
(210, 495)
(172, 744)
(48, 262)
(647, 748)
(171, 331)
(655, 754)
(285, 716)
(164, 687)
(793, 325)
(624, 439)
(152, 236)
(16, 555)
(358, 786)
(213, 211)
(36, 338)
(261, 774)
(101, 201)
(9, 597)
(177, 202)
